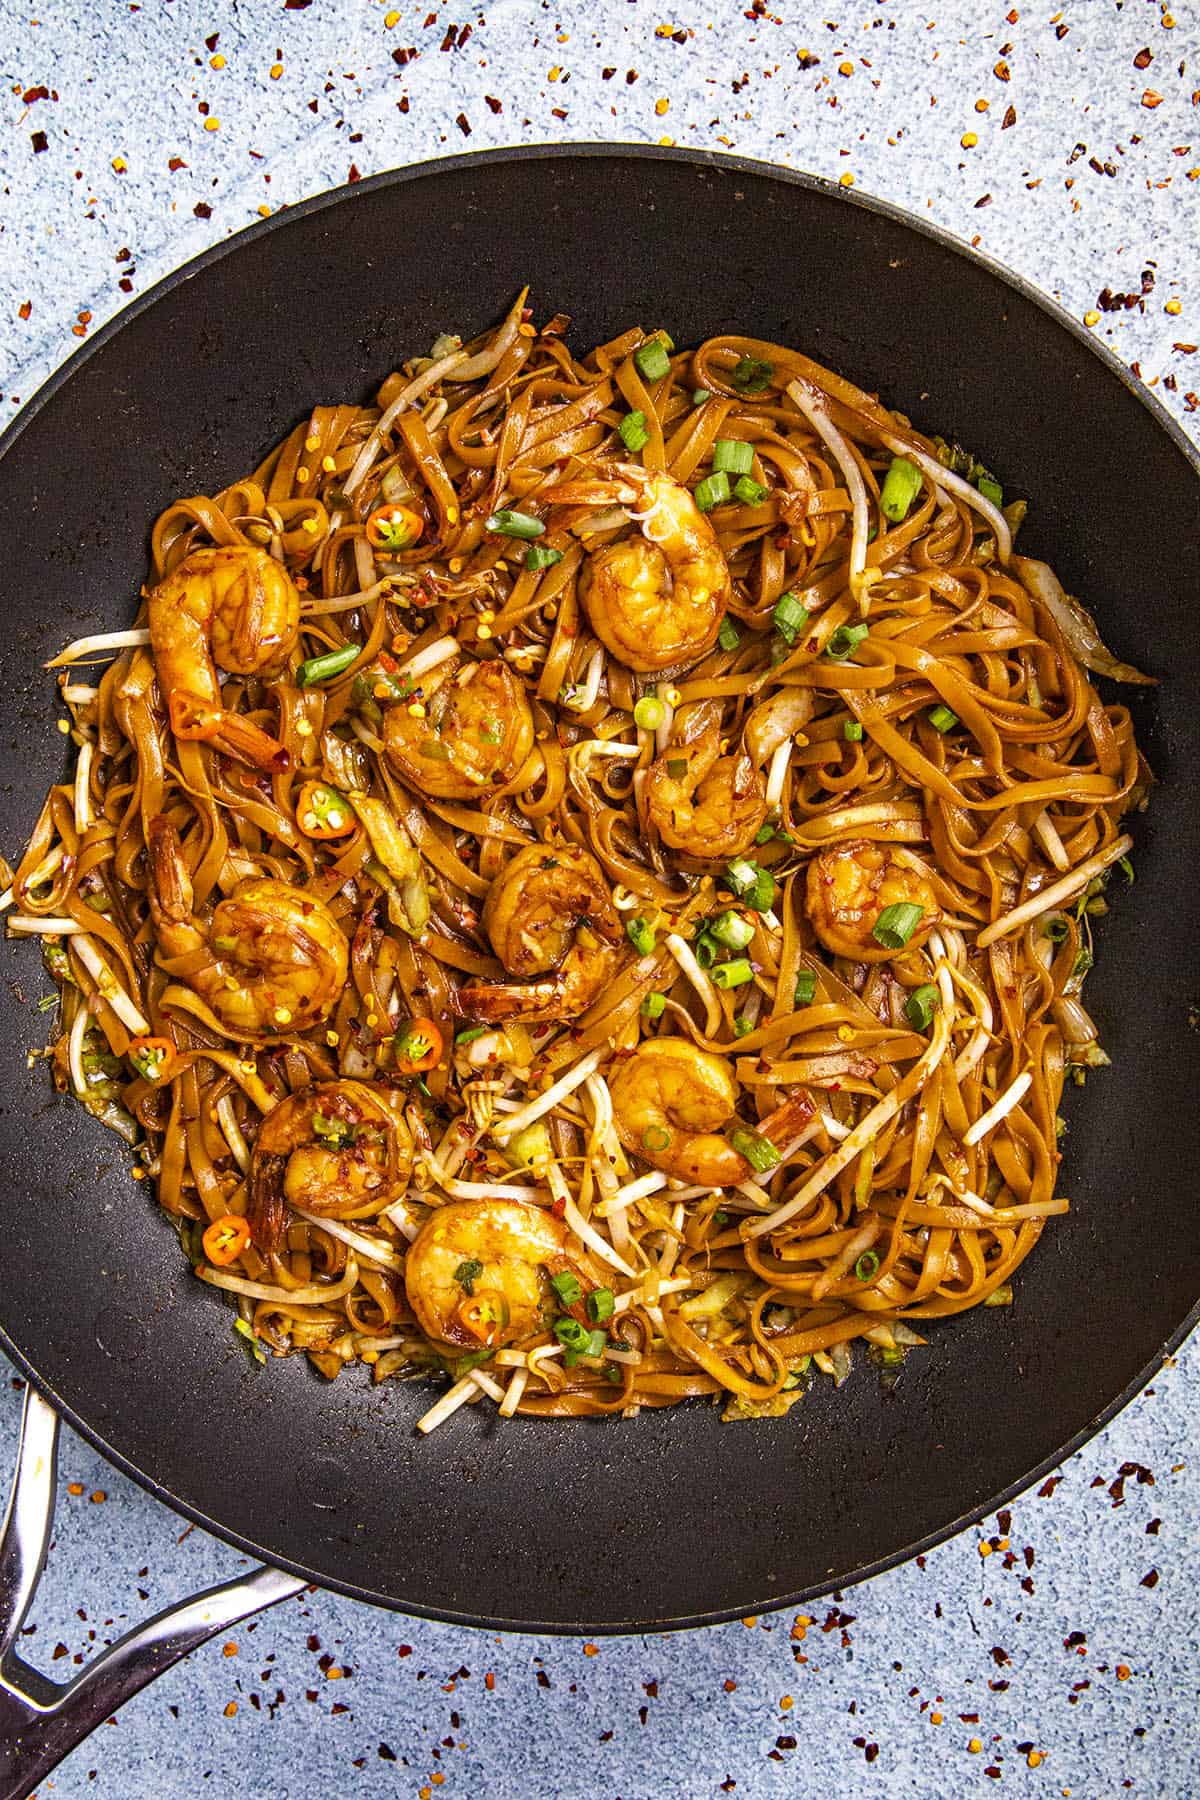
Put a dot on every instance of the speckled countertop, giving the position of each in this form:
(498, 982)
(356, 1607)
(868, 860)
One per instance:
(1056, 1649)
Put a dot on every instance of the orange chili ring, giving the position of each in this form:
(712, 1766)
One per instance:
(225, 1240)
(152, 1057)
(394, 527)
(321, 812)
(419, 1046)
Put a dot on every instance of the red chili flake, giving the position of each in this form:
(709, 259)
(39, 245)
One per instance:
(59, 1650)
(34, 93)
(402, 104)
(463, 123)
(1060, 32)
(1150, 99)
(404, 56)
(450, 41)
(1048, 1486)
(387, 1753)
(984, 200)
(202, 209)
(1150, 1579)
(607, 74)
(353, 173)
(25, 308)
(651, 1688)
(1152, 1527)
(1144, 58)
(404, 1650)
(495, 105)
(175, 163)
(295, 5)
(40, 142)
(1002, 72)
(559, 112)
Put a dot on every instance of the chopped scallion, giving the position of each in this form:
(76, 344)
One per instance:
(653, 1006)
(750, 375)
(867, 1265)
(942, 719)
(641, 935)
(470, 1034)
(601, 1303)
(733, 974)
(652, 360)
(749, 491)
(758, 1151)
(507, 523)
(896, 924)
(700, 395)
(324, 668)
(649, 712)
(901, 485)
(844, 641)
(806, 987)
(729, 637)
(467, 1274)
(633, 431)
(920, 1004)
(852, 731)
(734, 455)
(567, 1287)
(541, 556)
(575, 1336)
(742, 1026)
(730, 929)
(789, 617)
(991, 489)
(712, 491)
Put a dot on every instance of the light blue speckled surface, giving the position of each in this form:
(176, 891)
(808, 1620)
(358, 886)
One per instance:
(1080, 1638)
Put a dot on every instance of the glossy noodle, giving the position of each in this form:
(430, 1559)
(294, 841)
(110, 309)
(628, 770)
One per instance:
(581, 876)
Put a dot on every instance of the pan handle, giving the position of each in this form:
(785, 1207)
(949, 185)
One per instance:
(41, 1720)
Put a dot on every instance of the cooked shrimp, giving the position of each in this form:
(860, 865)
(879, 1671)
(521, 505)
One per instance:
(703, 803)
(670, 1103)
(270, 962)
(549, 914)
(478, 1272)
(236, 607)
(848, 887)
(341, 1149)
(655, 600)
(476, 732)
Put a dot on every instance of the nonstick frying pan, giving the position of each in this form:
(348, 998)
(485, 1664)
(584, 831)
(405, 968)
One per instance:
(671, 1519)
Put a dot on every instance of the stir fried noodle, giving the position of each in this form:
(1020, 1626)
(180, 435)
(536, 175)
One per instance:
(581, 878)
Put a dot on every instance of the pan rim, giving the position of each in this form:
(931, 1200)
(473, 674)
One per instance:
(720, 163)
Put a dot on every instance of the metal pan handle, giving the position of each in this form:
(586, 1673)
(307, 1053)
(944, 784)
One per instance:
(41, 1720)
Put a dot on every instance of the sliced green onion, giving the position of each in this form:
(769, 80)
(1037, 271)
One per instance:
(700, 395)
(867, 1265)
(633, 431)
(656, 1137)
(1056, 929)
(750, 376)
(741, 875)
(991, 490)
(470, 1034)
(324, 668)
(919, 1007)
(789, 617)
(711, 491)
(729, 637)
(653, 1006)
(750, 883)
(507, 523)
(1126, 868)
(652, 360)
(942, 719)
(901, 485)
(649, 712)
(575, 1336)
(758, 1151)
(706, 949)
(742, 1026)
(733, 974)
(541, 556)
(601, 1303)
(896, 924)
(806, 988)
(641, 935)
(467, 1274)
(734, 455)
(732, 930)
(852, 731)
(844, 641)
(1083, 960)
(749, 491)
(567, 1287)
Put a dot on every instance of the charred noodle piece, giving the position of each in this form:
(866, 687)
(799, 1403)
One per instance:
(685, 968)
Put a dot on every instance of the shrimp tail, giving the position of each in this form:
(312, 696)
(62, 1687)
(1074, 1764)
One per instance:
(266, 1209)
(192, 718)
(532, 1001)
(171, 888)
(788, 1120)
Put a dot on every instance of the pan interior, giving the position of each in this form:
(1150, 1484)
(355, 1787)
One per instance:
(671, 1517)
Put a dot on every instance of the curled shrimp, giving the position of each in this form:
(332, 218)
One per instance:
(233, 606)
(655, 600)
(478, 1272)
(552, 922)
(849, 885)
(671, 1102)
(708, 805)
(269, 963)
(341, 1149)
(475, 733)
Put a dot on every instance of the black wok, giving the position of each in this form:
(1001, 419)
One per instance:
(670, 1519)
